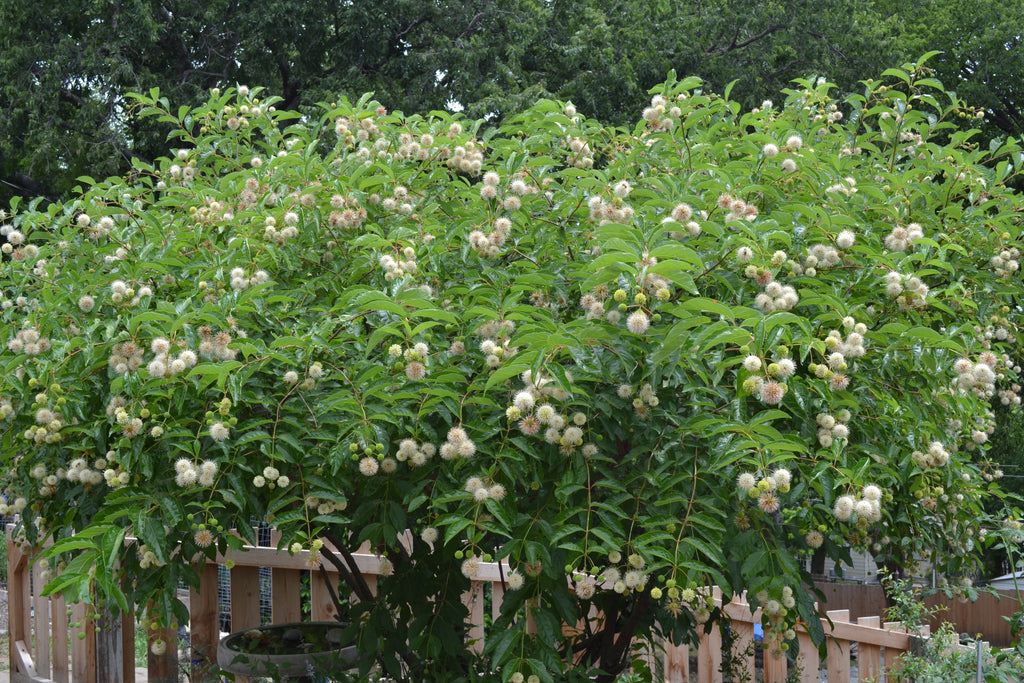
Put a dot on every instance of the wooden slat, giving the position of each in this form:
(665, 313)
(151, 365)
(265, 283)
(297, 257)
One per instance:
(162, 668)
(204, 625)
(743, 643)
(128, 653)
(709, 657)
(677, 663)
(891, 655)
(473, 599)
(774, 667)
(109, 663)
(59, 627)
(245, 598)
(83, 645)
(838, 649)
(285, 595)
(21, 662)
(497, 598)
(808, 659)
(321, 606)
(869, 657)
(17, 600)
(41, 622)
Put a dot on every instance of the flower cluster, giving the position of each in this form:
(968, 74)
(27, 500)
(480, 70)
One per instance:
(483, 491)
(615, 211)
(215, 346)
(778, 619)
(29, 342)
(467, 158)
(580, 154)
(660, 116)
(935, 456)
(396, 268)
(414, 453)
(833, 427)
(980, 377)
(1006, 262)
(188, 474)
(868, 507)
(908, 290)
(457, 445)
(901, 238)
(490, 245)
(165, 364)
(767, 489)
(776, 297)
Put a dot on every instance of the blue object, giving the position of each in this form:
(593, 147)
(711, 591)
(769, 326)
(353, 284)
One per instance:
(758, 632)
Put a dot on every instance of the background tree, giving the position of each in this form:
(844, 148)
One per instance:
(66, 67)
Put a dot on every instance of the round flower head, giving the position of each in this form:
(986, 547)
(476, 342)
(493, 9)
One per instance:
(219, 431)
(638, 322)
(752, 363)
(768, 501)
(514, 579)
(771, 393)
(770, 149)
(746, 481)
(782, 477)
(872, 492)
(844, 507)
(524, 401)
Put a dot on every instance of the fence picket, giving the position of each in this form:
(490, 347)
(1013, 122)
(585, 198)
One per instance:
(879, 645)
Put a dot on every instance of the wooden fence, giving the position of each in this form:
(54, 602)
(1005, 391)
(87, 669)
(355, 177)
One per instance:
(40, 628)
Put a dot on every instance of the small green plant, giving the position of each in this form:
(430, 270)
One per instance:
(942, 656)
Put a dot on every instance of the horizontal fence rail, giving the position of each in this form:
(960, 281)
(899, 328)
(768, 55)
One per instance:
(45, 644)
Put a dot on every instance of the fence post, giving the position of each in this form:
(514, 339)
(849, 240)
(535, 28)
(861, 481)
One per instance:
(109, 646)
(204, 625)
(838, 649)
(162, 668)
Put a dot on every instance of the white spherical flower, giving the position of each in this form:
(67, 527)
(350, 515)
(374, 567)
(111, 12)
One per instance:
(746, 481)
(782, 477)
(846, 239)
(524, 401)
(844, 507)
(872, 492)
(160, 346)
(638, 322)
(770, 149)
(786, 368)
(219, 431)
(514, 579)
(156, 368)
(752, 363)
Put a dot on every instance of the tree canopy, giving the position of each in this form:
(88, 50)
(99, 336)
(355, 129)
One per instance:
(629, 362)
(66, 67)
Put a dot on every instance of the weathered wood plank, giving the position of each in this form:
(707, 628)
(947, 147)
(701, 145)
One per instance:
(204, 625)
